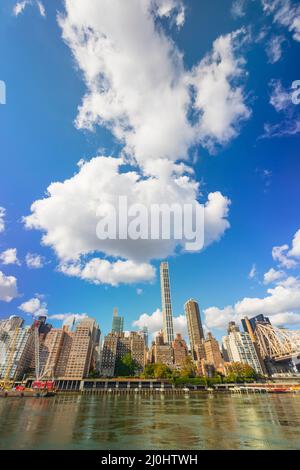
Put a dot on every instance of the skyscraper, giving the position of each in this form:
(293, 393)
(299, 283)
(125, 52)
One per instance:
(249, 324)
(240, 348)
(249, 327)
(168, 330)
(195, 329)
(117, 323)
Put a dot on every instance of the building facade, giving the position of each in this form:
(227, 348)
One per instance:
(16, 351)
(83, 351)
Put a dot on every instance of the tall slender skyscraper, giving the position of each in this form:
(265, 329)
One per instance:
(168, 330)
(195, 329)
(117, 323)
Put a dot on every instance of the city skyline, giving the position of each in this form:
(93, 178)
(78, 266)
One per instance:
(73, 352)
(235, 151)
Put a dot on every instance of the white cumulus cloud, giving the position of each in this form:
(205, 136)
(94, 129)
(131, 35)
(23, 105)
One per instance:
(8, 287)
(34, 307)
(9, 256)
(100, 271)
(137, 84)
(34, 261)
(295, 250)
(154, 323)
(273, 275)
(68, 318)
(280, 254)
(283, 298)
(68, 218)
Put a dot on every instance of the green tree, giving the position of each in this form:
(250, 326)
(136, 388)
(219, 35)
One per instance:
(126, 366)
(148, 371)
(161, 371)
(239, 372)
(188, 369)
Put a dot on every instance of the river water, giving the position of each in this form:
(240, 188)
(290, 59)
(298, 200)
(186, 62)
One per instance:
(195, 421)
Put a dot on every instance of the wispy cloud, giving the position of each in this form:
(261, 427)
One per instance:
(285, 13)
(20, 7)
(281, 100)
(2, 219)
(274, 48)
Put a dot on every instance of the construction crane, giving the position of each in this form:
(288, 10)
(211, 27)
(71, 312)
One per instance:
(40, 383)
(7, 383)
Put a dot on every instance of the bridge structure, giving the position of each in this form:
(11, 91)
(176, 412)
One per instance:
(278, 344)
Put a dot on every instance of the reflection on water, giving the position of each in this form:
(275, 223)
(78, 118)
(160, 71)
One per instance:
(197, 421)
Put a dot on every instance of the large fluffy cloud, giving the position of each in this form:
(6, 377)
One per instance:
(280, 304)
(101, 271)
(220, 105)
(138, 87)
(8, 287)
(295, 250)
(68, 218)
(137, 84)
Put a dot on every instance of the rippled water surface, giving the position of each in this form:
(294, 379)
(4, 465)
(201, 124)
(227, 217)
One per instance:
(195, 421)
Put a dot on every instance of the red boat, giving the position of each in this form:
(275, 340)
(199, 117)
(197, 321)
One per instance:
(43, 385)
(279, 390)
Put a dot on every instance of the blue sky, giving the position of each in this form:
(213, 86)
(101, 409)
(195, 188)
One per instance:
(252, 159)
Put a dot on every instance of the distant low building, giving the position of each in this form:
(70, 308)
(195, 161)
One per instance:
(162, 353)
(180, 351)
(213, 355)
(116, 346)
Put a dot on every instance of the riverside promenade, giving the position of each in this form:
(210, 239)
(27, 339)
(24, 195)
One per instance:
(90, 386)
